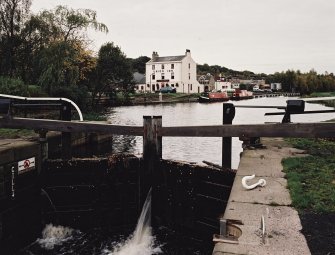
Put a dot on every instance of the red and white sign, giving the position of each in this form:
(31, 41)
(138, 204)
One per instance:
(26, 165)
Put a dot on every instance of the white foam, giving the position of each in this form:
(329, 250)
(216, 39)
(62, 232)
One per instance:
(54, 235)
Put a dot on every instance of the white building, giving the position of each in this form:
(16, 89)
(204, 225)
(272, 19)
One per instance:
(276, 86)
(178, 72)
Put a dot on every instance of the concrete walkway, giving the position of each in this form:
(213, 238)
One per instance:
(283, 236)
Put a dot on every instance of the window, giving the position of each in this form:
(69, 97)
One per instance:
(189, 76)
(172, 85)
(142, 88)
(153, 67)
(153, 76)
(177, 85)
(191, 86)
(163, 76)
(189, 66)
(162, 66)
(172, 66)
(148, 85)
(172, 76)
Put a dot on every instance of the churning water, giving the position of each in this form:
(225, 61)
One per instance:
(63, 240)
(141, 242)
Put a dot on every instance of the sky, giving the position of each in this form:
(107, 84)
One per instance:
(262, 36)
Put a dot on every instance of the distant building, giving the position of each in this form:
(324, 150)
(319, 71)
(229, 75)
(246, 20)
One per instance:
(276, 86)
(178, 72)
(139, 81)
(207, 81)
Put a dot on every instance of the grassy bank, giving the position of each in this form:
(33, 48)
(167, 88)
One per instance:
(311, 179)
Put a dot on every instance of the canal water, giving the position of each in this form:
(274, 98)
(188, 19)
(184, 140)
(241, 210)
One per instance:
(62, 240)
(197, 149)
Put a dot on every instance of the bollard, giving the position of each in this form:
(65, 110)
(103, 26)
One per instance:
(228, 116)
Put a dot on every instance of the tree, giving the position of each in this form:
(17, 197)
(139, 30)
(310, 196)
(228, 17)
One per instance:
(13, 14)
(138, 64)
(113, 72)
(63, 59)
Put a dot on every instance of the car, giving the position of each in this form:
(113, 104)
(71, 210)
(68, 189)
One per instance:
(168, 90)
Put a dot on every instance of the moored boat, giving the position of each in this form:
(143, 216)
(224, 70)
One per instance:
(241, 94)
(213, 96)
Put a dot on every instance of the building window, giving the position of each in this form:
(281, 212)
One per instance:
(172, 66)
(177, 85)
(189, 66)
(191, 86)
(172, 85)
(153, 67)
(172, 76)
(189, 76)
(153, 76)
(163, 76)
(142, 87)
(162, 66)
(148, 85)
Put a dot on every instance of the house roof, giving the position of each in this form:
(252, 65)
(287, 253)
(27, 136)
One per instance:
(139, 78)
(167, 59)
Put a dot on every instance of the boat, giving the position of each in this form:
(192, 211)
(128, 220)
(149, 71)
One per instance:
(213, 96)
(241, 94)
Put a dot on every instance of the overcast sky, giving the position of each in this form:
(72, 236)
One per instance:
(255, 35)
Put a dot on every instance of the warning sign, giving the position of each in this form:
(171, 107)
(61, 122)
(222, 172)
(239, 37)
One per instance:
(26, 165)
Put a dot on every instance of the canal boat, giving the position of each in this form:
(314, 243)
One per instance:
(213, 96)
(241, 94)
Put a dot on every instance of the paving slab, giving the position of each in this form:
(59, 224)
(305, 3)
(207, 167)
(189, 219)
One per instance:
(282, 224)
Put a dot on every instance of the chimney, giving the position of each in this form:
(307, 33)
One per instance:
(154, 55)
(188, 52)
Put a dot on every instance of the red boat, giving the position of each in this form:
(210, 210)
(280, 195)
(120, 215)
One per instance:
(217, 96)
(240, 94)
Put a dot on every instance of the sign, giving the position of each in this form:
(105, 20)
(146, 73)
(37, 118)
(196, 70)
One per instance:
(26, 165)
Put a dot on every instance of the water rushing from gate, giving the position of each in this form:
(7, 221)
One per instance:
(141, 242)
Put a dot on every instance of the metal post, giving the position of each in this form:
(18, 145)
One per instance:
(66, 136)
(228, 116)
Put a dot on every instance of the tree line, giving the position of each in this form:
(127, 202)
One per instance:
(291, 80)
(49, 54)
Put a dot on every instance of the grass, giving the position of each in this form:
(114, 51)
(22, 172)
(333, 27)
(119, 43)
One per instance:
(6, 133)
(311, 179)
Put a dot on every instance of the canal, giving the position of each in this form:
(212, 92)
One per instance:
(196, 149)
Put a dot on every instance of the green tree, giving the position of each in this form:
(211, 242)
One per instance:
(113, 72)
(13, 14)
(63, 59)
(138, 64)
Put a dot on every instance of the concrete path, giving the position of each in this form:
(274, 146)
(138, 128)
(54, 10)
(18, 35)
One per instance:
(283, 236)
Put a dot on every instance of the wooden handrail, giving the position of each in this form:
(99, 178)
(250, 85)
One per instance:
(311, 130)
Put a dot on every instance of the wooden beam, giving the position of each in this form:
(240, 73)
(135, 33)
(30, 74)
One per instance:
(312, 130)
(70, 126)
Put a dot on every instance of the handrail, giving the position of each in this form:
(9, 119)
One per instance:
(47, 99)
(311, 130)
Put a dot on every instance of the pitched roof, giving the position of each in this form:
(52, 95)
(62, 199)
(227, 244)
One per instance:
(167, 59)
(138, 78)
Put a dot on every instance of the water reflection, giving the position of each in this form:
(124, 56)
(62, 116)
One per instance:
(191, 114)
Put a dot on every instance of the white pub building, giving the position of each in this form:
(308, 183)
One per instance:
(179, 72)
